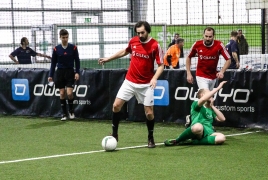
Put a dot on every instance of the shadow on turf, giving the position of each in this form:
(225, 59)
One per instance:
(45, 124)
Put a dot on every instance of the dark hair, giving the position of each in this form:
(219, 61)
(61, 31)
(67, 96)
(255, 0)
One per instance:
(177, 41)
(143, 23)
(177, 34)
(209, 29)
(63, 32)
(23, 40)
(234, 33)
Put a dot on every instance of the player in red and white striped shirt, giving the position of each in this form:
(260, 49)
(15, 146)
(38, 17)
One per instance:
(140, 79)
(208, 51)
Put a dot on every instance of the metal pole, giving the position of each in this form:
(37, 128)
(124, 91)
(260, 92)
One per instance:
(170, 11)
(263, 31)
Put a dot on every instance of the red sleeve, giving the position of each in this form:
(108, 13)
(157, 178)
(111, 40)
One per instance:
(224, 52)
(192, 51)
(159, 55)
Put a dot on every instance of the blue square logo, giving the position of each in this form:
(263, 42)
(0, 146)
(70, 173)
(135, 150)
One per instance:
(161, 93)
(20, 89)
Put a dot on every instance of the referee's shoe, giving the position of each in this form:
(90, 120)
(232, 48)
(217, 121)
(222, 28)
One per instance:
(71, 114)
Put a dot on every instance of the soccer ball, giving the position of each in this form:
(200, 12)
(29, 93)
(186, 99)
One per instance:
(109, 143)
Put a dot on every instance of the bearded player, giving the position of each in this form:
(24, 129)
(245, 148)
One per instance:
(140, 79)
(208, 51)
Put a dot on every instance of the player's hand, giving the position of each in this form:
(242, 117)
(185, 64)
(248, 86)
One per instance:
(76, 76)
(50, 79)
(190, 78)
(221, 84)
(219, 75)
(211, 101)
(153, 83)
(102, 61)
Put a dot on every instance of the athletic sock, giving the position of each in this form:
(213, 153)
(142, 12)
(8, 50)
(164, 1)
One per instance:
(115, 123)
(150, 127)
(185, 135)
(205, 141)
(63, 106)
(70, 103)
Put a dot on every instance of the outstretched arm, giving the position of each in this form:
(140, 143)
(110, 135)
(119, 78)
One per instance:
(209, 94)
(117, 55)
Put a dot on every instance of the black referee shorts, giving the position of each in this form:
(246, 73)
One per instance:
(65, 78)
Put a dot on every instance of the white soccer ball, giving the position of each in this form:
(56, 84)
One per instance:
(109, 143)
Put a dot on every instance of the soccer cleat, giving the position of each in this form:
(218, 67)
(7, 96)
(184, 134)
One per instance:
(63, 118)
(188, 121)
(71, 114)
(151, 143)
(170, 142)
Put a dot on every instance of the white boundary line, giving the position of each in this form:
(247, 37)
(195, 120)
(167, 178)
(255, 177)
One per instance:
(98, 151)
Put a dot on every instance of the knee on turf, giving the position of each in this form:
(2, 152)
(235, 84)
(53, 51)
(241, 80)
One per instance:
(220, 139)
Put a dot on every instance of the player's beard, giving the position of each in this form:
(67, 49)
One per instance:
(208, 42)
(143, 39)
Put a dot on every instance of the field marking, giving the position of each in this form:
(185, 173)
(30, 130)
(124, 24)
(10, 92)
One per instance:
(98, 151)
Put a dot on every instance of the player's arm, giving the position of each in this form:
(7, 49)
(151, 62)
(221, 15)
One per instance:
(117, 55)
(160, 68)
(77, 63)
(209, 94)
(224, 68)
(188, 67)
(219, 116)
(52, 65)
(157, 74)
(227, 63)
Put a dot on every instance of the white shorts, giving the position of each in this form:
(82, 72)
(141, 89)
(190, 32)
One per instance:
(205, 83)
(143, 93)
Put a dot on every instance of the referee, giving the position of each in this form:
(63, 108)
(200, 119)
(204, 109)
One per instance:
(64, 56)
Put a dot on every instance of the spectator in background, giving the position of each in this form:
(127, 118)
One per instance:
(172, 56)
(176, 36)
(24, 53)
(233, 50)
(242, 43)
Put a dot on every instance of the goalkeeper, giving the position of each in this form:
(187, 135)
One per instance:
(203, 113)
(172, 56)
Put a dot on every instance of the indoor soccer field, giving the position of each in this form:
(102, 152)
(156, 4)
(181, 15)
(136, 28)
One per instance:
(46, 148)
(38, 143)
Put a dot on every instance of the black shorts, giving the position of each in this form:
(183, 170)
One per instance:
(65, 78)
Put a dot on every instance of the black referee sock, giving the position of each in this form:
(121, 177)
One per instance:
(115, 123)
(150, 127)
(63, 106)
(70, 103)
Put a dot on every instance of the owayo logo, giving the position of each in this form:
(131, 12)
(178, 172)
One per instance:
(20, 89)
(161, 93)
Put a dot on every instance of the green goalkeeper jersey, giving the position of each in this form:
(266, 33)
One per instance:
(202, 115)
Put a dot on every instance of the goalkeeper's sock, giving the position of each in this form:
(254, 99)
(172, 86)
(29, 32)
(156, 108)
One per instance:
(115, 123)
(63, 106)
(70, 103)
(185, 135)
(205, 141)
(150, 127)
